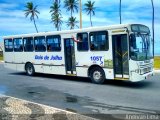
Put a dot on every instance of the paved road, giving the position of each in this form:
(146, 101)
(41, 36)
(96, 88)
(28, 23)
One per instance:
(80, 95)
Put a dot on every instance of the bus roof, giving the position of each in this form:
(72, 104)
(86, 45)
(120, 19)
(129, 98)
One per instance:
(69, 31)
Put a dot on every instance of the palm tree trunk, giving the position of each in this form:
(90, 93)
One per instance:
(153, 24)
(120, 11)
(90, 19)
(57, 26)
(71, 25)
(35, 25)
(71, 13)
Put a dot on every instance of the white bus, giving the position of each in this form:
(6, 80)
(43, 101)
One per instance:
(118, 52)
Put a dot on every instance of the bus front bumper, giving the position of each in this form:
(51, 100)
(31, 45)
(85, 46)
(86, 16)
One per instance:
(135, 77)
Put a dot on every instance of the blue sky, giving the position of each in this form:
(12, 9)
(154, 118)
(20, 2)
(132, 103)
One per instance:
(13, 21)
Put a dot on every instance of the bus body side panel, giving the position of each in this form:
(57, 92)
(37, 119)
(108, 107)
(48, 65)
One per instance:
(82, 71)
(84, 60)
(109, 73)
(28, 57)
(108, 62)
(19, 57)
(9, 60)
(39, 61)
(54, 63)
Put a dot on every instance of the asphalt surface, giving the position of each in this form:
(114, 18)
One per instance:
(80, 95)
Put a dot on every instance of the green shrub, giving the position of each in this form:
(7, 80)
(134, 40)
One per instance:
(157, 62)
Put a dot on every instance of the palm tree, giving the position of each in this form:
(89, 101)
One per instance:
(55, 9)
(90, 9)
(153, 24)
(32, 11)
(120, 5)
(56, 19)
(71, 5)
(72, 22)
(56, 15)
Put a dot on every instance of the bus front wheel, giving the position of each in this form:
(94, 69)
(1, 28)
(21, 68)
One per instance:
(30, 69)
(97, 75)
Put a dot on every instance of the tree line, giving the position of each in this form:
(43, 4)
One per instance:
(56, 15)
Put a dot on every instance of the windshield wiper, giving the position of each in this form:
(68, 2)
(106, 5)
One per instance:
(145, 43)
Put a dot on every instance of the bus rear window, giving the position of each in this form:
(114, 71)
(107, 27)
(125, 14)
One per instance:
(8, 45)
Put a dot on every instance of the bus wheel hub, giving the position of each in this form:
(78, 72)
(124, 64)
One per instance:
(97, 75)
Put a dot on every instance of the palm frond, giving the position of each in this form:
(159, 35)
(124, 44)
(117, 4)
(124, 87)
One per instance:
(71, 5)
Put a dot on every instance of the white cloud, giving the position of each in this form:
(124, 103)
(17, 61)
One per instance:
(14, 13)
(6, 6)
(44, 14)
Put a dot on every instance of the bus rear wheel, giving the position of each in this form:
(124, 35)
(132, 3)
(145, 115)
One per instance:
(30, 69)
(97, 75)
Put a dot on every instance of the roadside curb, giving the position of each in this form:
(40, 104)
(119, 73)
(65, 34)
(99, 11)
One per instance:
(21, 109)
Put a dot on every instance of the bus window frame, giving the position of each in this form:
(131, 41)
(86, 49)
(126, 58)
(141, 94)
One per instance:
(22, 45)
(80, 42)
(12, 50)
(106, 41)
(60, 43)
(42, 44)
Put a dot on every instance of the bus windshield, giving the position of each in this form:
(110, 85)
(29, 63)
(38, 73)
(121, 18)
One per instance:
(141, 47)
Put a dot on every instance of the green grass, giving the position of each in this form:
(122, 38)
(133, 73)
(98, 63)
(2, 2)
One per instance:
(1, 57)
(157, 62)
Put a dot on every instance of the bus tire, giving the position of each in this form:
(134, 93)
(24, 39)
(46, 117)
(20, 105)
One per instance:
(97, 75)
(30, 69)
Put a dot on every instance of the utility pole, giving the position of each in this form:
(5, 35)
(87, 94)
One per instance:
(120, 14)
(153, 24)
(80, 13)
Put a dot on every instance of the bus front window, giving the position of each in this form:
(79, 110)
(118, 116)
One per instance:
(141, 47)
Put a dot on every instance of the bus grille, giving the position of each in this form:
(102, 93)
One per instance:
(145, 70)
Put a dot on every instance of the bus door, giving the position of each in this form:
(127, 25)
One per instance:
(69, 56)
(120, 56)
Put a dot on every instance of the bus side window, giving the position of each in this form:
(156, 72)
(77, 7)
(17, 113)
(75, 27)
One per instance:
(40, 44)
(18, 45)
(28, 44)
(99, 41)
(83, 44)
(92, 43)
(92, 46)
(8, 44)
(53, 43)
